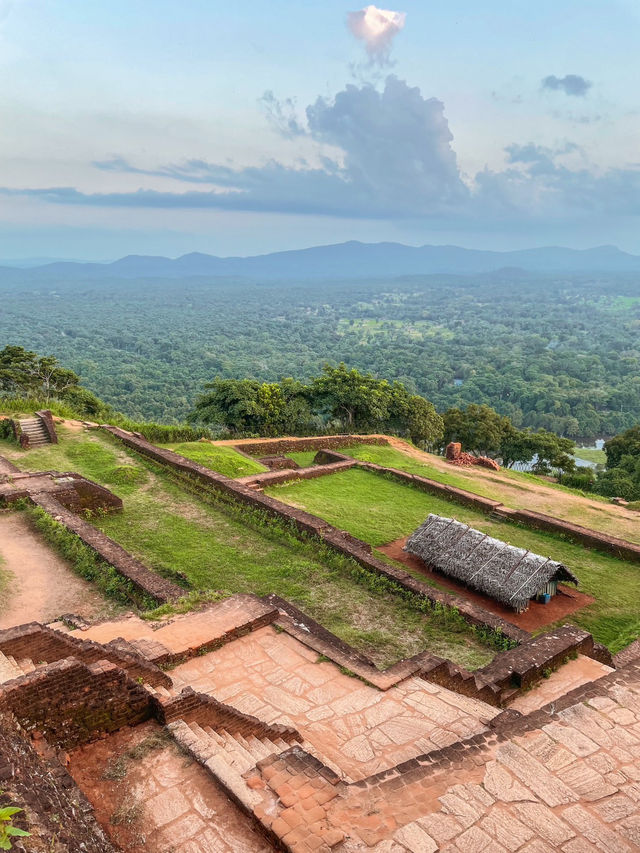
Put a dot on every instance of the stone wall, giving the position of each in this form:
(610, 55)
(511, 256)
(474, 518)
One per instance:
(583, 535)
(272, 478)
(318, 442)
(54, 808)
(40, 643)
(72, 703)
(141, 577)
(193, 707)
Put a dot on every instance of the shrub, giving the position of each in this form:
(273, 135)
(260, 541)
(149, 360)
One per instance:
(126, 475)
(583, 478)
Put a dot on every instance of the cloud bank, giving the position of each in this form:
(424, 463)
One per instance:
(377, 28)
(393, 159)
(570, 84)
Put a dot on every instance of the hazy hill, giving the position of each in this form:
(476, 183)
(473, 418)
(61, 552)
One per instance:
(345, 260)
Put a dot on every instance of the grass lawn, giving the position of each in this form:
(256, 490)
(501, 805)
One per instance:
(380, 510)
(513, 488)
(591, 454)
(304, 458)
(220, 549)
(219, 458)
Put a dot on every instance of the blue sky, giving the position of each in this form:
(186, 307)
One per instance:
(143, 126)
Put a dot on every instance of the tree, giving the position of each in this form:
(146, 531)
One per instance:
(358, 400)
(249, 407)
(24, 373)
(479, 429)
(625, 444)
(414, 416)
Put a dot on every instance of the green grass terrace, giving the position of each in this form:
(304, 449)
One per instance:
(380, 510)
(220, 547)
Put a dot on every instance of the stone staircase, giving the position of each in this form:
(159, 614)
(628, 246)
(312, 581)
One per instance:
(10, 668)
(35, 430)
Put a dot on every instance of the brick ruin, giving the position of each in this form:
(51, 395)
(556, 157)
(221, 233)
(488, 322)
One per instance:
(318, 748)
(454, 455)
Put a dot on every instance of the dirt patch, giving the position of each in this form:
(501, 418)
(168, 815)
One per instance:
(41, 586)
(537, 616)
(151, 798)
(607, 518)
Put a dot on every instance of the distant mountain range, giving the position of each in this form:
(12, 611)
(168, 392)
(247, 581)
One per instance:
(343, 260)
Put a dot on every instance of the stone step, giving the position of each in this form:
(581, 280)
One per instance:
(10, 668)
(218, 763)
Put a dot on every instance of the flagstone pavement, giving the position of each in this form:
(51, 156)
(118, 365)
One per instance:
(360, 729)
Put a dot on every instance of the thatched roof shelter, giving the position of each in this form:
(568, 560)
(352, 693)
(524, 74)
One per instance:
(510, 575)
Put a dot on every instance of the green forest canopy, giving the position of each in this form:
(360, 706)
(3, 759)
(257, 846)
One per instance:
(559, 353)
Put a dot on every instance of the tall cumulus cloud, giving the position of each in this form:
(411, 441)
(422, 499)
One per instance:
(377, 28)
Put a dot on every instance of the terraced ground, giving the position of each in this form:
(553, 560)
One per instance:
(513, 488)
(381, 510)
(221, 548)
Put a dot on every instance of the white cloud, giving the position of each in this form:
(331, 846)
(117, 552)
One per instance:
(376, 28)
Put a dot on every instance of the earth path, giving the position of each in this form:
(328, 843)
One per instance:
(41, 586)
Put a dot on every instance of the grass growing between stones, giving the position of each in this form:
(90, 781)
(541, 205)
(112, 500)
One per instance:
(219, 458)
(379, 510)
(219, 547)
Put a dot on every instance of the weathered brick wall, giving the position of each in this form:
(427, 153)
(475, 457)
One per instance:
(272, 478)
(46, 417)
(72, 703)
(203, 709)
(54, 807)
(40, 644)
(318, 442)
(583, 535)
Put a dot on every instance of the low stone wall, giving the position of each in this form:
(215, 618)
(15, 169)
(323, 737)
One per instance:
(272, 478)
(525, 665)
(509, 673)
(193, 707)
(54, 807)
(40, 643)
(583, 535)
(278, 446)
(450, 493)
(141, 577)
(72, 703)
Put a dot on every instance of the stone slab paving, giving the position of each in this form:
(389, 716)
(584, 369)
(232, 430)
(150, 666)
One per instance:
(569, 784)
(358, 728)
(186, 634)
(163, 802)
(571, 675)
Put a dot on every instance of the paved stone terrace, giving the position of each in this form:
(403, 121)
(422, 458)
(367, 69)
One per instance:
(565, 781)
(358, 728)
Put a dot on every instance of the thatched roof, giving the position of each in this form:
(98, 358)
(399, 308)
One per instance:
(508, 574)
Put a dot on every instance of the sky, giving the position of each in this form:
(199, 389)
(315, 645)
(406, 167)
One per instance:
(156, 127)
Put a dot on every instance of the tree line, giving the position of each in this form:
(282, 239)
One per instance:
(342, 399)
